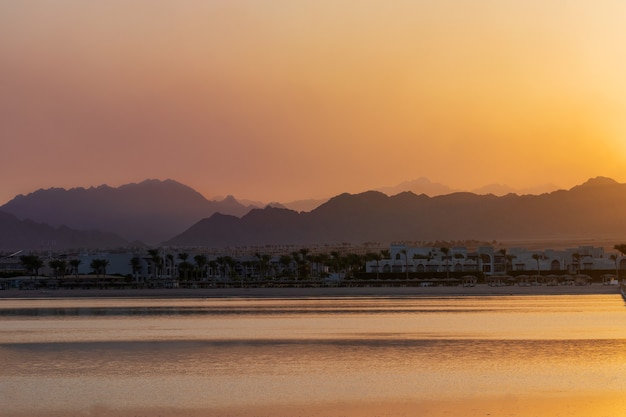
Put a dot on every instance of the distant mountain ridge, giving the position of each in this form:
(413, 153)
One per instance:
(593, 209)
(423, 185)
(166, 212)
(150, 211)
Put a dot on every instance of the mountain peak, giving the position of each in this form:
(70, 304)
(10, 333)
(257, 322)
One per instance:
(230, 199)
(597, 182)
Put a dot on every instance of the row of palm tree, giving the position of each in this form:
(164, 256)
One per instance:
(34, 263)
(99, 266)
(185, 269)
(299, 265)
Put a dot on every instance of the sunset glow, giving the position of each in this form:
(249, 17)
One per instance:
(282, 100)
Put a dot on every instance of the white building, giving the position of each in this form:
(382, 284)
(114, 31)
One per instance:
(491, 261)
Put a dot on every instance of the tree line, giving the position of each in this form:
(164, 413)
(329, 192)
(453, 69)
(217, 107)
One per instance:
(300, 264)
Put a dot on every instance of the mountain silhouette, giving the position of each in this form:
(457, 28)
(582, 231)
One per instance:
(591, 210)
(150, 211)
(170, 213)
(25, 234)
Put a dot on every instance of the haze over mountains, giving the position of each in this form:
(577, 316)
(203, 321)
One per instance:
(423, 185)
(169, 213)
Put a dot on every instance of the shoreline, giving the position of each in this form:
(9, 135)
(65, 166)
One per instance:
(322, 292)
(575, 404)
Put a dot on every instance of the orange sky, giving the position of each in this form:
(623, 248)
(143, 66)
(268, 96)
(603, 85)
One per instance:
(283, 100)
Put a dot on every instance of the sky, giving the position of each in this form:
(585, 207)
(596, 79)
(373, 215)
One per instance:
(280, 100)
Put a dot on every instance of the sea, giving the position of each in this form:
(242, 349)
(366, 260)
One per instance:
(530, 355)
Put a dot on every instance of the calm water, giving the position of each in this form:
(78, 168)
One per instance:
(102, 356)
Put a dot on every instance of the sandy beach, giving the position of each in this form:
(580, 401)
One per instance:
(325, 292)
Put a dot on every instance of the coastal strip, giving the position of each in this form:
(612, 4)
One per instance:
(320, 292)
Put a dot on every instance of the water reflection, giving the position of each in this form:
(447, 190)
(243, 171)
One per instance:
(130, 354)
(235, 356)
(361, 305)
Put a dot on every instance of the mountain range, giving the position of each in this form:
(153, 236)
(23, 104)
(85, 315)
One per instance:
(150, 211)
(169, 213)
(591, 210)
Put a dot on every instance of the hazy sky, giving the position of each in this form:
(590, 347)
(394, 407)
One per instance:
(283, 99)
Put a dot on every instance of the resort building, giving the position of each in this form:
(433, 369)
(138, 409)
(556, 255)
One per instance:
(491, 261)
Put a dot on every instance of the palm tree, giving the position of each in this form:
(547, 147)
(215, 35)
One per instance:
(263, 261)
(372, 256)
(615, 258)
(99, 266)
(508, 260)
(213, 267)
(285, 261)
(247, 266)
(135, 264)
(32, 263)
(37, 264)
(446, 251)
(184, 266)
(201, 262)
(296, 258)
(621, 248)
(228, 264)
(55, 265)
(222, 264)
(537, 257)
(95, 266)
(306, 268)
(62, 270)
(170, 262)
(59, 266)
(336, 262)
(232, 267)
(74, 263)
(322, 260)
(577, 257)
(385, 254)
(406, 262)
(156, 260)
(354, 262)
(104, 264)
